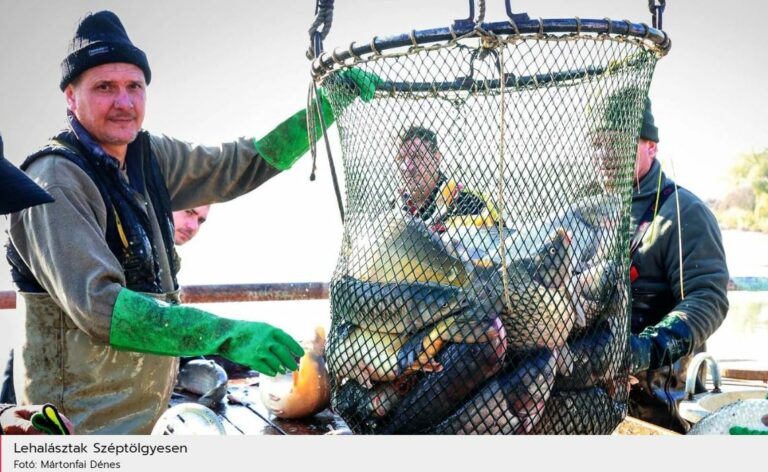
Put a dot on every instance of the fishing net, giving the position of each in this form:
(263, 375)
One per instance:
(482, 283)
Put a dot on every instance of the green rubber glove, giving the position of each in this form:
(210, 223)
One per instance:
(356, 82)
(141, 323)
(285, 144)
(661, 344)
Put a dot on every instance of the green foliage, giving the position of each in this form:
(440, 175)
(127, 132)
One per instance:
(746, 206)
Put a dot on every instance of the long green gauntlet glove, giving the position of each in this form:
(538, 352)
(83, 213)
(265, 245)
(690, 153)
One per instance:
(285, 144)
(661, 344)
(141, 323)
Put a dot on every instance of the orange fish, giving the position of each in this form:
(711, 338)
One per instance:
(304, 392)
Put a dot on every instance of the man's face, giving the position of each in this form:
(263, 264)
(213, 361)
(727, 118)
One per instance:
(108, 100)
(419, 166)
(646, 153)
(188, 222)
(608, 156)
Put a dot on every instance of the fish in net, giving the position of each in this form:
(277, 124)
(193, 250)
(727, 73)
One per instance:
(481, 286)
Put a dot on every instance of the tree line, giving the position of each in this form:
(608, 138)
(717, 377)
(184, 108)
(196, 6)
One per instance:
(745, 206)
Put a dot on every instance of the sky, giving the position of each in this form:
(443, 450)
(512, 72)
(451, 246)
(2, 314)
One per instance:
(236, 68)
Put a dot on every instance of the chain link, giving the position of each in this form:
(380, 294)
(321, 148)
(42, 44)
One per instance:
(657, 11)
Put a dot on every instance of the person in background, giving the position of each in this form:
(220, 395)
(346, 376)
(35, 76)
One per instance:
(103, 329)
(187, 223)
(17, 192)
(678, 271)
(430, 194)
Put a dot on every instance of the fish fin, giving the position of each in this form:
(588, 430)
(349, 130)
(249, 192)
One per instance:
(564, 357)
(318, 344)
(377, 406)
(362, 374)
(581, 315)
(432, 366)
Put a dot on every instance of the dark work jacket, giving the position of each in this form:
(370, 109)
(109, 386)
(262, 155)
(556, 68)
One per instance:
(695, 292)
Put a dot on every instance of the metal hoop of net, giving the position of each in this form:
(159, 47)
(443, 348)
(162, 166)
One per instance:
(482, 281)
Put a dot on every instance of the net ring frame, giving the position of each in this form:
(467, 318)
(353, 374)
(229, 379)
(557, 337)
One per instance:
(373, 46)
(336, 58)
(646, 36)
(514, 26)
(412, 35)
(608, 20)
(351, 52)
(454, 37)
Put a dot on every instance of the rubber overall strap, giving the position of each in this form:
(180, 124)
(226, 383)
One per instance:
(648, 216)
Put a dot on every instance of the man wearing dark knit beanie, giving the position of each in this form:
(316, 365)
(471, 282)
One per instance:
(678, 272)
(100, 39)
(95, 267)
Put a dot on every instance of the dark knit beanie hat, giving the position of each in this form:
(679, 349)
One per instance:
(100, 38)
(649, 130)
(617, 109)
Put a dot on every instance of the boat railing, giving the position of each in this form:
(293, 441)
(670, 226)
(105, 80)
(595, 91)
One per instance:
(298, 291)
(230, 293)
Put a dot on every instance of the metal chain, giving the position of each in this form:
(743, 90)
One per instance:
(324, 17)
(657, 11)
(480, 12)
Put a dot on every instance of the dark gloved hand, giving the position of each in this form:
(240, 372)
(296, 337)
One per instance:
(141, 323)
(640, 354)
(660, 345)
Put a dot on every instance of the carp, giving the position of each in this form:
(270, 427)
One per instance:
(537, 303)
(592, 221)
(206, 378)
(372, 356)
(476, 245)
(363, 408)
(588, 411)
(597, 355)
(464, 368)
(304, 392)
(512, 402)
(396, 247)
(394, 308)
(596, 290)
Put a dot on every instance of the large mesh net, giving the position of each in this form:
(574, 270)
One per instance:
(482, 281)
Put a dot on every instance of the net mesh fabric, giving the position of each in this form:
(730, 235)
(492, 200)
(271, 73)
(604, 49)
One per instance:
(482, 283)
